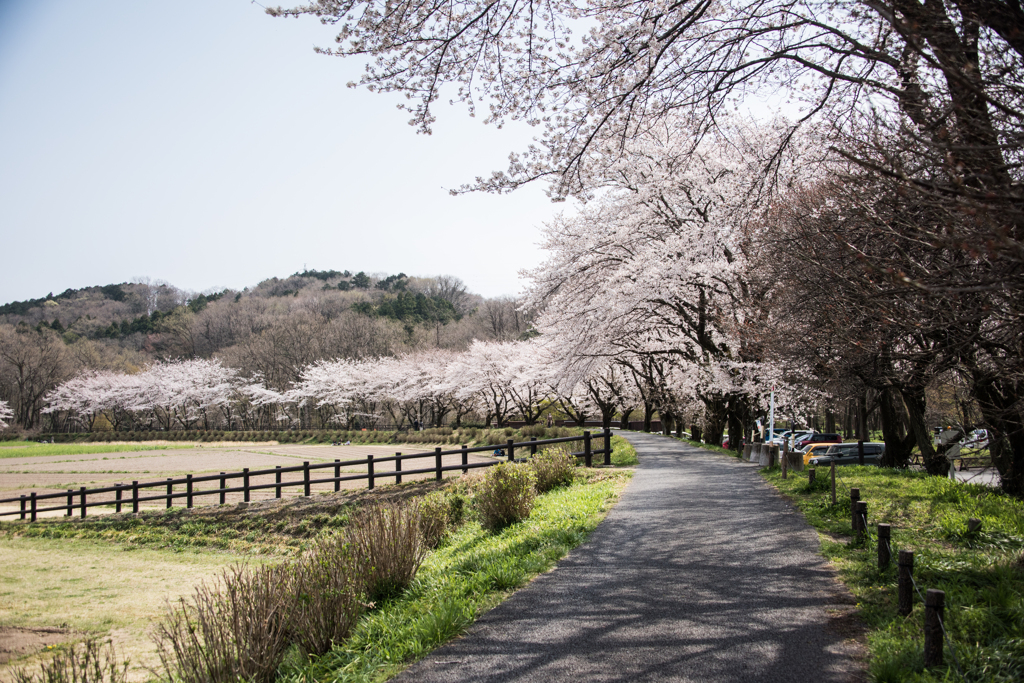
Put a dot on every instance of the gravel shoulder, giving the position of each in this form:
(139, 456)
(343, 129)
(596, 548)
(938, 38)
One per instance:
(702, 572)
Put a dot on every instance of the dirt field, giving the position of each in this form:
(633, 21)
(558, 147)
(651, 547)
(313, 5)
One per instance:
(51, 474)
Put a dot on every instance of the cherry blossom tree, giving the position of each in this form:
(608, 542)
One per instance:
(5, 414)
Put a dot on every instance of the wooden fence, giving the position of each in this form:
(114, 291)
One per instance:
(139, 492)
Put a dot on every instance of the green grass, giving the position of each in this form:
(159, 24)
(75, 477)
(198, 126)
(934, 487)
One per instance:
(40, 449)
(623, 453)
(982, 573)
(471, 573)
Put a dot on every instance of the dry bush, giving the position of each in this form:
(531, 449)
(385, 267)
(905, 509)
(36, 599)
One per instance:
(324, 594)
(505, 495)
(89, 662)
(554, 467)
(440, 512)
(235, 631)
(386, 539)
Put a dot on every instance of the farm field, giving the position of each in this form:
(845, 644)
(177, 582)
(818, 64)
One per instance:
(20, 475)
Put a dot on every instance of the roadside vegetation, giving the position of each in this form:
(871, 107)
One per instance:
(418, 562)
(981, 572)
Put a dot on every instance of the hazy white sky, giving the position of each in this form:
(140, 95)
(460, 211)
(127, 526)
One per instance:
(203, 143)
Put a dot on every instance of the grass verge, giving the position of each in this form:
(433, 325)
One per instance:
(472, 572)
(40, 449)
(623, 453)
(981, 572)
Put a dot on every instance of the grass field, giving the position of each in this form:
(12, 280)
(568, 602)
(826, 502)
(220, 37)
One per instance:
(981, 572)
(28, 450)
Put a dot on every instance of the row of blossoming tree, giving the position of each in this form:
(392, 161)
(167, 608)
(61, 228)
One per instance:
(491, 383)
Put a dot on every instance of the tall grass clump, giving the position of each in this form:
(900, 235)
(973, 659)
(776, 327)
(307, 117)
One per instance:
(89, 662)
(553, 467)
(325, 595)
(505, 495)
(387, 540)
(231, 631)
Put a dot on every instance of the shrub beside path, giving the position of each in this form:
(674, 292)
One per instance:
(702, 572)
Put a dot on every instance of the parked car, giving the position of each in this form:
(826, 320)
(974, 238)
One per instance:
(820, 437)
(847, 454)
(976, 439)
(815, 449)
(796, 436)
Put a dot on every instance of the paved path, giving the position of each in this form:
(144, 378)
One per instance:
(700, 573)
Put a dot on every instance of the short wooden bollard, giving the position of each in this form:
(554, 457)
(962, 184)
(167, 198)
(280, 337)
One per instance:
(832, 473)
(245, 484)
(437, 463)
(854, 497)
(369, 473)
(465, 459)
(905, 582)
(934, 611)
(170, 492)
(973, 525)
(811, 475)
(81, 499)
(398, 468)
(862, 519)
(785, 460)
(884, 547)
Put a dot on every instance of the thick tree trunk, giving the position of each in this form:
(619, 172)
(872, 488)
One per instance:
(914, 399)
(898, 444)
(997, 398)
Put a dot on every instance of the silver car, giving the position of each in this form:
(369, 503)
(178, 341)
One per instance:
(847, 454)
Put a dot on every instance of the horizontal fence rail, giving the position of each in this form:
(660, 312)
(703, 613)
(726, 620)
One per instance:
(141, 492)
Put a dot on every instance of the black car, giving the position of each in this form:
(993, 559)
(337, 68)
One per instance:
(847, 454)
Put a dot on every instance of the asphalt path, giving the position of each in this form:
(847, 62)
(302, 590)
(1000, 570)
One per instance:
(702, 572)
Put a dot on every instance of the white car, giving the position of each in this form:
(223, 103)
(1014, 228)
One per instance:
(976, 439)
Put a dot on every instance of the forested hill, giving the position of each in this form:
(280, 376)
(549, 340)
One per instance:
(274, 328)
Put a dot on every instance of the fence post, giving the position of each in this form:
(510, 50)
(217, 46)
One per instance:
(135, 497)
(588, 453)
(905, 585)
(785, 459)
(369, 471)
(277, 481)
(337, 475)
(465, 459)
(608, 447)
(934, 611)
(245, 484)
(188, 491)
(811, 476)
(862, 520)
(223, 485)
(70, 503)
(833, 472)
(117, 497)
(81, 495)
(33, 511)
(170, 490)
(854, 497)
(398, 468)
(23, 499)
(884, 549)
(305, 478)
(510, 450)
(437, 461)
(533, 446)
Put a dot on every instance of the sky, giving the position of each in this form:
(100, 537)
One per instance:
(204, 143)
